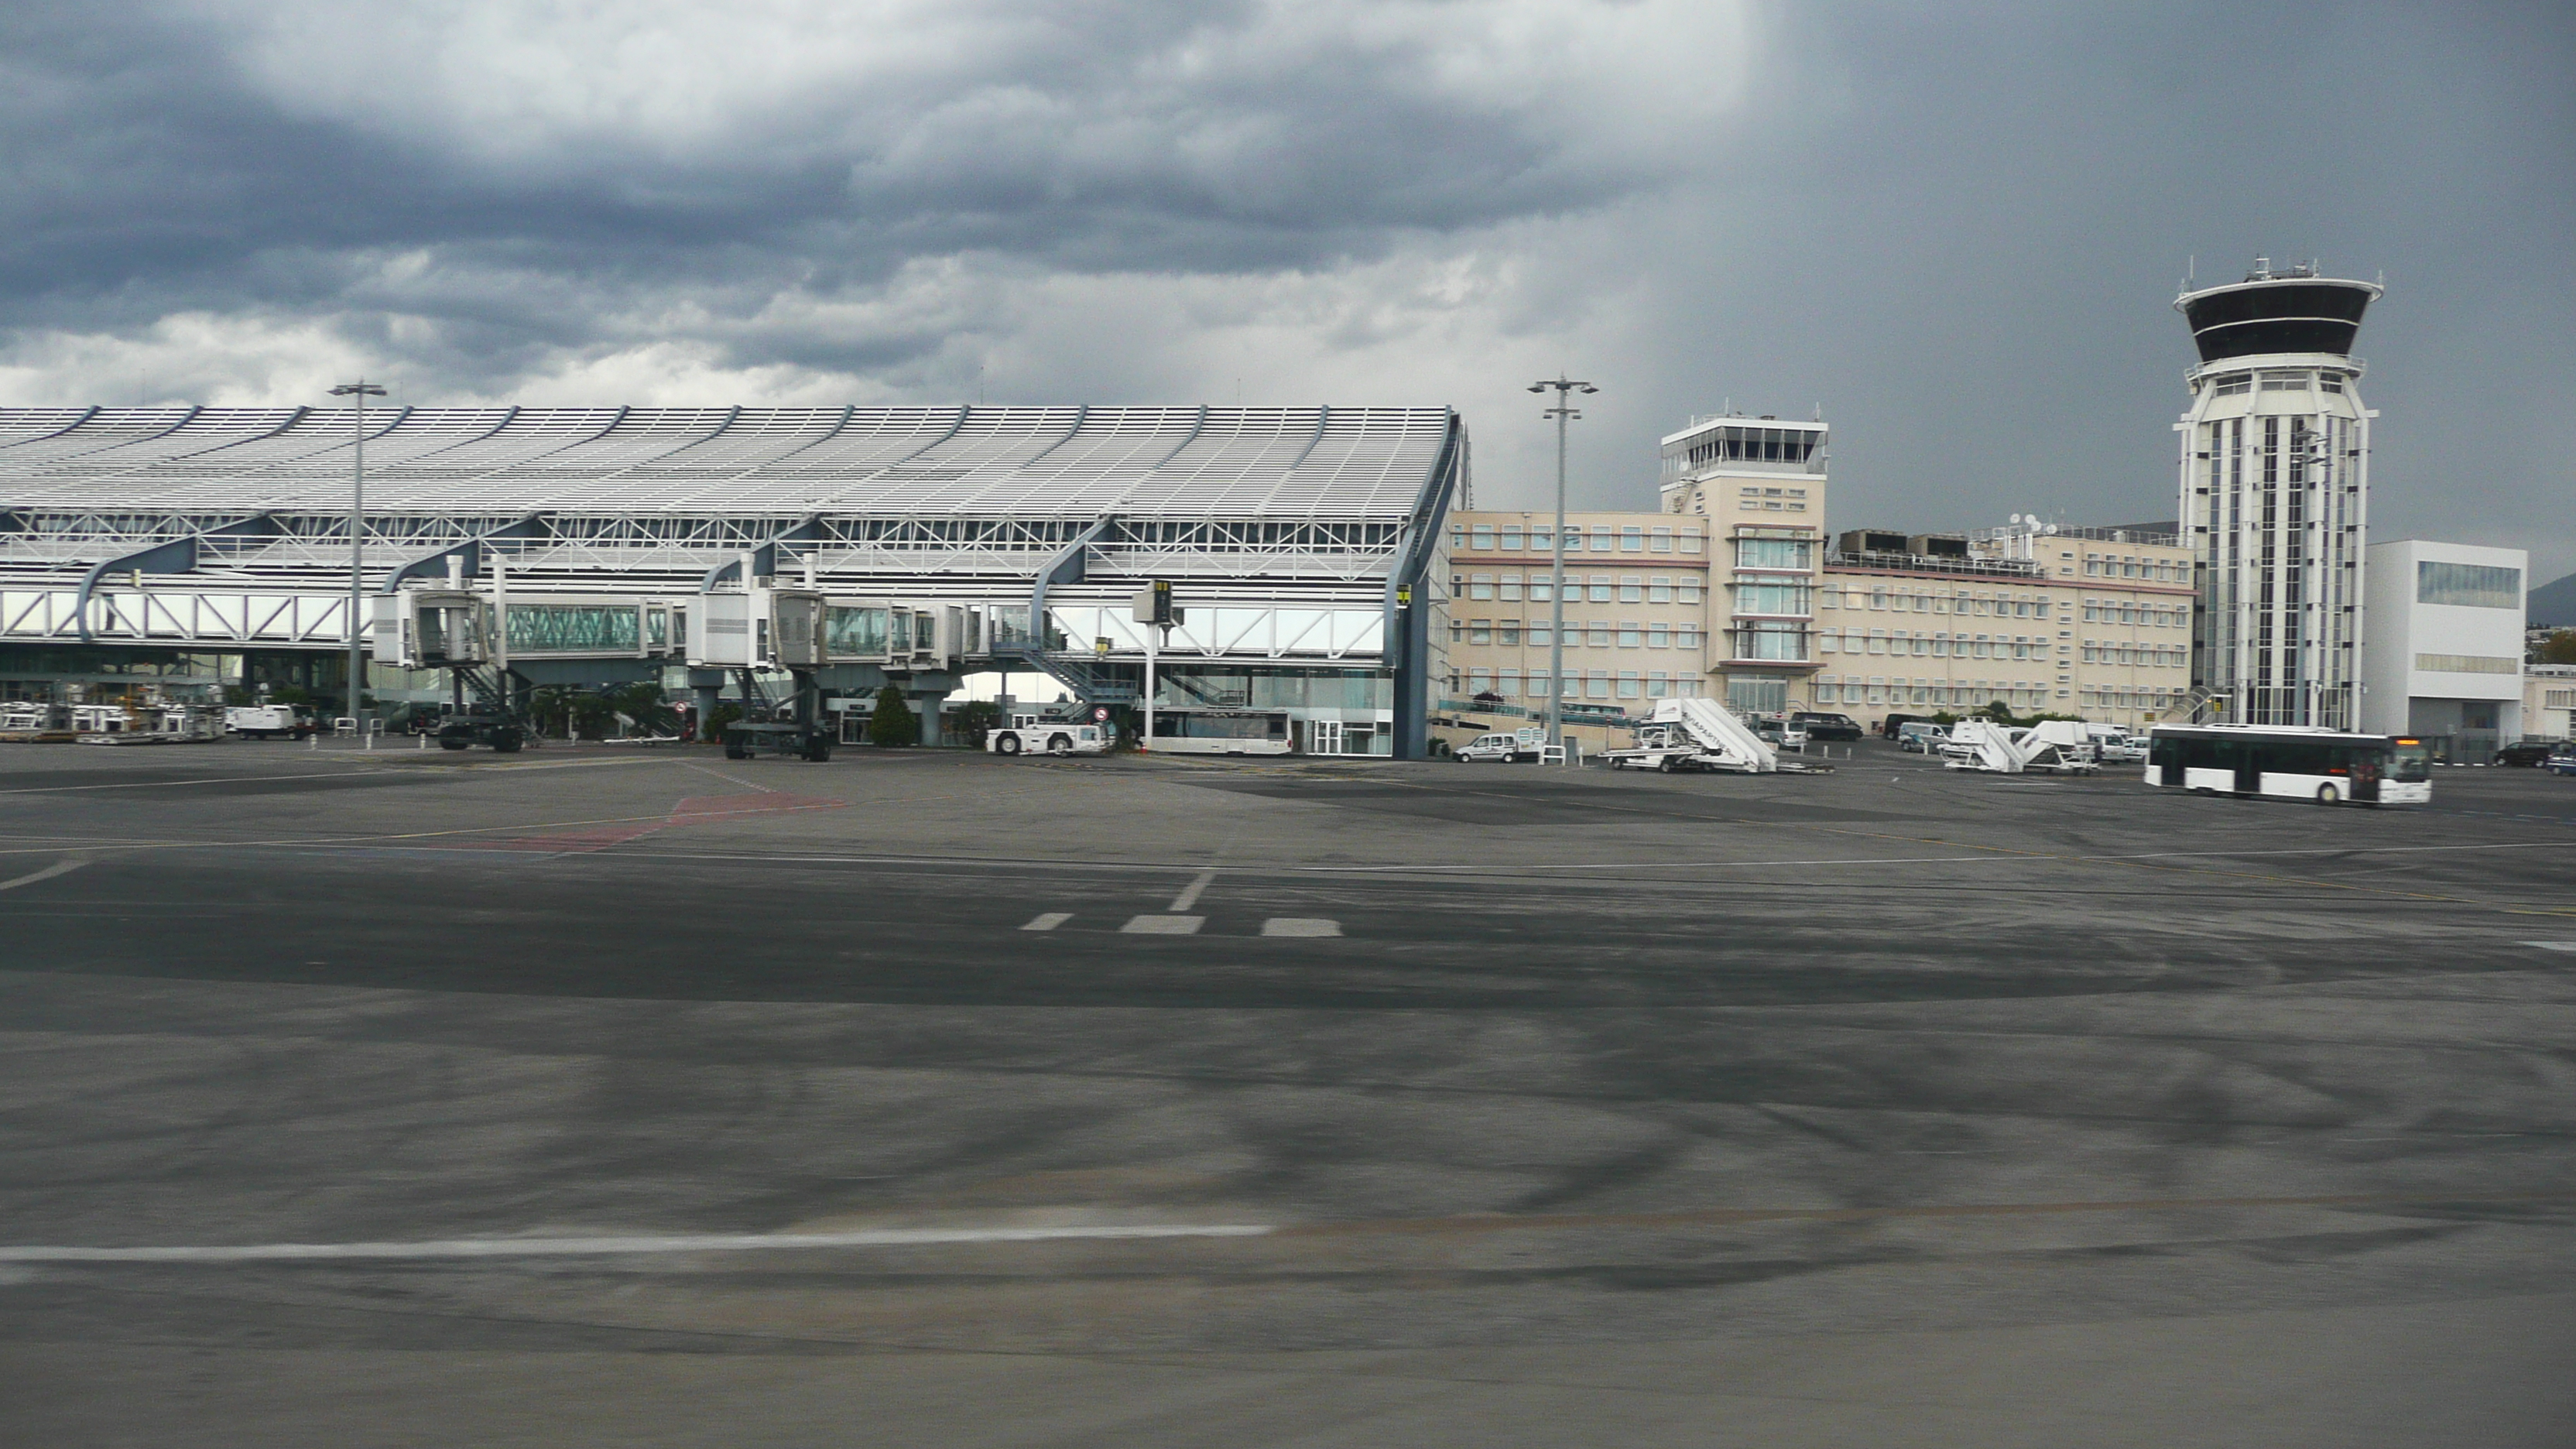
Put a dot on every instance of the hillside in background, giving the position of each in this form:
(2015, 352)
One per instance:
(2552, 606)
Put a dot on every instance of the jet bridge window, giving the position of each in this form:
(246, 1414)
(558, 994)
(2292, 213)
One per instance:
(858, 632)
(574, 628)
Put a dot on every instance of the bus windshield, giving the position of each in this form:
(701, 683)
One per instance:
(2411, 763)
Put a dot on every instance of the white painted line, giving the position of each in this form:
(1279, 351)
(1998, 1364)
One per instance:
(1047, 921)
(60, 867)
(583, 1247)
(2543, 945)
(1163, 925)
(1300, 926)
(1189, 895)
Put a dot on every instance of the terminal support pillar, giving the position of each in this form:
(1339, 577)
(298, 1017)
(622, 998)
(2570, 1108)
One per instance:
(927, 706)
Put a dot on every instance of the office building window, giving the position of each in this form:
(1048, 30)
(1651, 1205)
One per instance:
(1632, 540)
(1481, 586)
(1542, 588)
(1542, 538)
(1480, 681)
(1773, 553)
(1770, 639)
(1631, 685)
(1480, 631)
(1631, 634)
(1686, 636)
(1690, 542)
(1663, 540)
(1507, 587)
(1659, 589)
(2467, 586)
(1511, 538)
(1597, 684)
(1507, 632)
(1597, 633)
(1507, 683)
(1541, 635)
(1659, 635)
(1601, 538)
(1602, 584)
(1481, 536)
(1688, 589)
(1632, 588)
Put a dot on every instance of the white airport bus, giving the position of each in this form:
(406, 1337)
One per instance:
(1222, 732)
(2297, 762)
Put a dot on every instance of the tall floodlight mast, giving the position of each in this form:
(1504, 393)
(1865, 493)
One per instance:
(2275, 495)
(1556, 588)
(358, 392)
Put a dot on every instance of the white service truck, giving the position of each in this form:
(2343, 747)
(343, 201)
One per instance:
(1701, 734)
(1030, 733)
(268, 721)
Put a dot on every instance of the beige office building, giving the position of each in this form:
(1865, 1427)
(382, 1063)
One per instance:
(2085, 621)
(1760, 484)
(1636, 608)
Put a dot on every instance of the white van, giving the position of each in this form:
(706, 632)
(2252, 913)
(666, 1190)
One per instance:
(1500, 749)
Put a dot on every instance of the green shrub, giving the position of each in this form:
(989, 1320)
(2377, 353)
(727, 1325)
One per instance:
(975, 721)
(893, 725)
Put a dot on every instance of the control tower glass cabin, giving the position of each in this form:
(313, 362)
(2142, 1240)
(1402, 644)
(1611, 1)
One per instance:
(2275, 483)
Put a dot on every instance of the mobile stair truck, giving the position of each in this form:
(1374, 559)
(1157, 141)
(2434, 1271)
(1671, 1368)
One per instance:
(2052, 746)
(1701, 734)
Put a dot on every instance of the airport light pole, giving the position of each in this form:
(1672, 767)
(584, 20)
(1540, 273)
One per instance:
(1556, 589)
(358, 392)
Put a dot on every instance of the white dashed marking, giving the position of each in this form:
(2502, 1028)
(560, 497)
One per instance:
(1300, 926)
(2553, 945)
(1163, 925)
(1189, 895)
(1048, 921)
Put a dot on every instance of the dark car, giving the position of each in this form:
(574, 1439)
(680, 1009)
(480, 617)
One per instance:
(2523, 754)
(1822, 726)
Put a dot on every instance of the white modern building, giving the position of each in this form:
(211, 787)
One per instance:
(2275, 490)
(2444, 659)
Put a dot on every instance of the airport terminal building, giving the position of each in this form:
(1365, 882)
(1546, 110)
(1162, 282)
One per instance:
(204, 546)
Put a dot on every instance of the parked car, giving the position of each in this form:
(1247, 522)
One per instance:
(2525, 754)
(1502, 749)
(1889, 726)
(1823, 725)
(1920, 737)
(2563, 762)
(1782, 734)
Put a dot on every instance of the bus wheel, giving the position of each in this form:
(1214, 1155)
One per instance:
(2328, 795)
(1008, 744)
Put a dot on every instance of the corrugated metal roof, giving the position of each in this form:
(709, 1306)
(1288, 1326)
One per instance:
(966, 462)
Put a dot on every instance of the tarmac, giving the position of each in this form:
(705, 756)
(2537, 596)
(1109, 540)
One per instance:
(630, 1095)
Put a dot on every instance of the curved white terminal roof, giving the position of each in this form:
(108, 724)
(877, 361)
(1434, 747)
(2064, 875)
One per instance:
(1320, 464)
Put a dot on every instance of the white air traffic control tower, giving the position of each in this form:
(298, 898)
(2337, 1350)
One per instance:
(2275, 496)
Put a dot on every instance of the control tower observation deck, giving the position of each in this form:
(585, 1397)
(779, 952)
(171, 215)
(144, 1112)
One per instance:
(2275, 494)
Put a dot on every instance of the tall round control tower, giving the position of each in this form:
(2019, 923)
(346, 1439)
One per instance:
(2275, 483)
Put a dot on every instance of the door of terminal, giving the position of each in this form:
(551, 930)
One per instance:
(1324, 737)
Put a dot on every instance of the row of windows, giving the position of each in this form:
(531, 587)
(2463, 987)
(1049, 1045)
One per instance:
(1746, 445)
(1970, 692)
(1885, 597)
(1938, 646)
(1579, 684)
(2233, 383)
(2153, 616)
(2151, 656)
(1597, 634)
(2467, 586)
(2125, 566)
(1541, 538)
(1601, 588)
(1775, 500)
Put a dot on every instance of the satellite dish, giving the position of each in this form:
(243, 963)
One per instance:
(2051, 530)
(2015, 520)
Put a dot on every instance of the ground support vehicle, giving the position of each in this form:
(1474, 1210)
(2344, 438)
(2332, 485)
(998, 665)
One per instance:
(2297, 762)
(163, 724)
(791, 727)
(1031, 733)
(2052, 746)
(1700, 734)
(1515, 748)
(2527, 753)
(1918, 737)
(269, 721)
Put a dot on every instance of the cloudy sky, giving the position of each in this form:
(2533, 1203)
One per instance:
(1957, 228)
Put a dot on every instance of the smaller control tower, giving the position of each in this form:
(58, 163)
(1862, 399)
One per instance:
(2275, 483)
